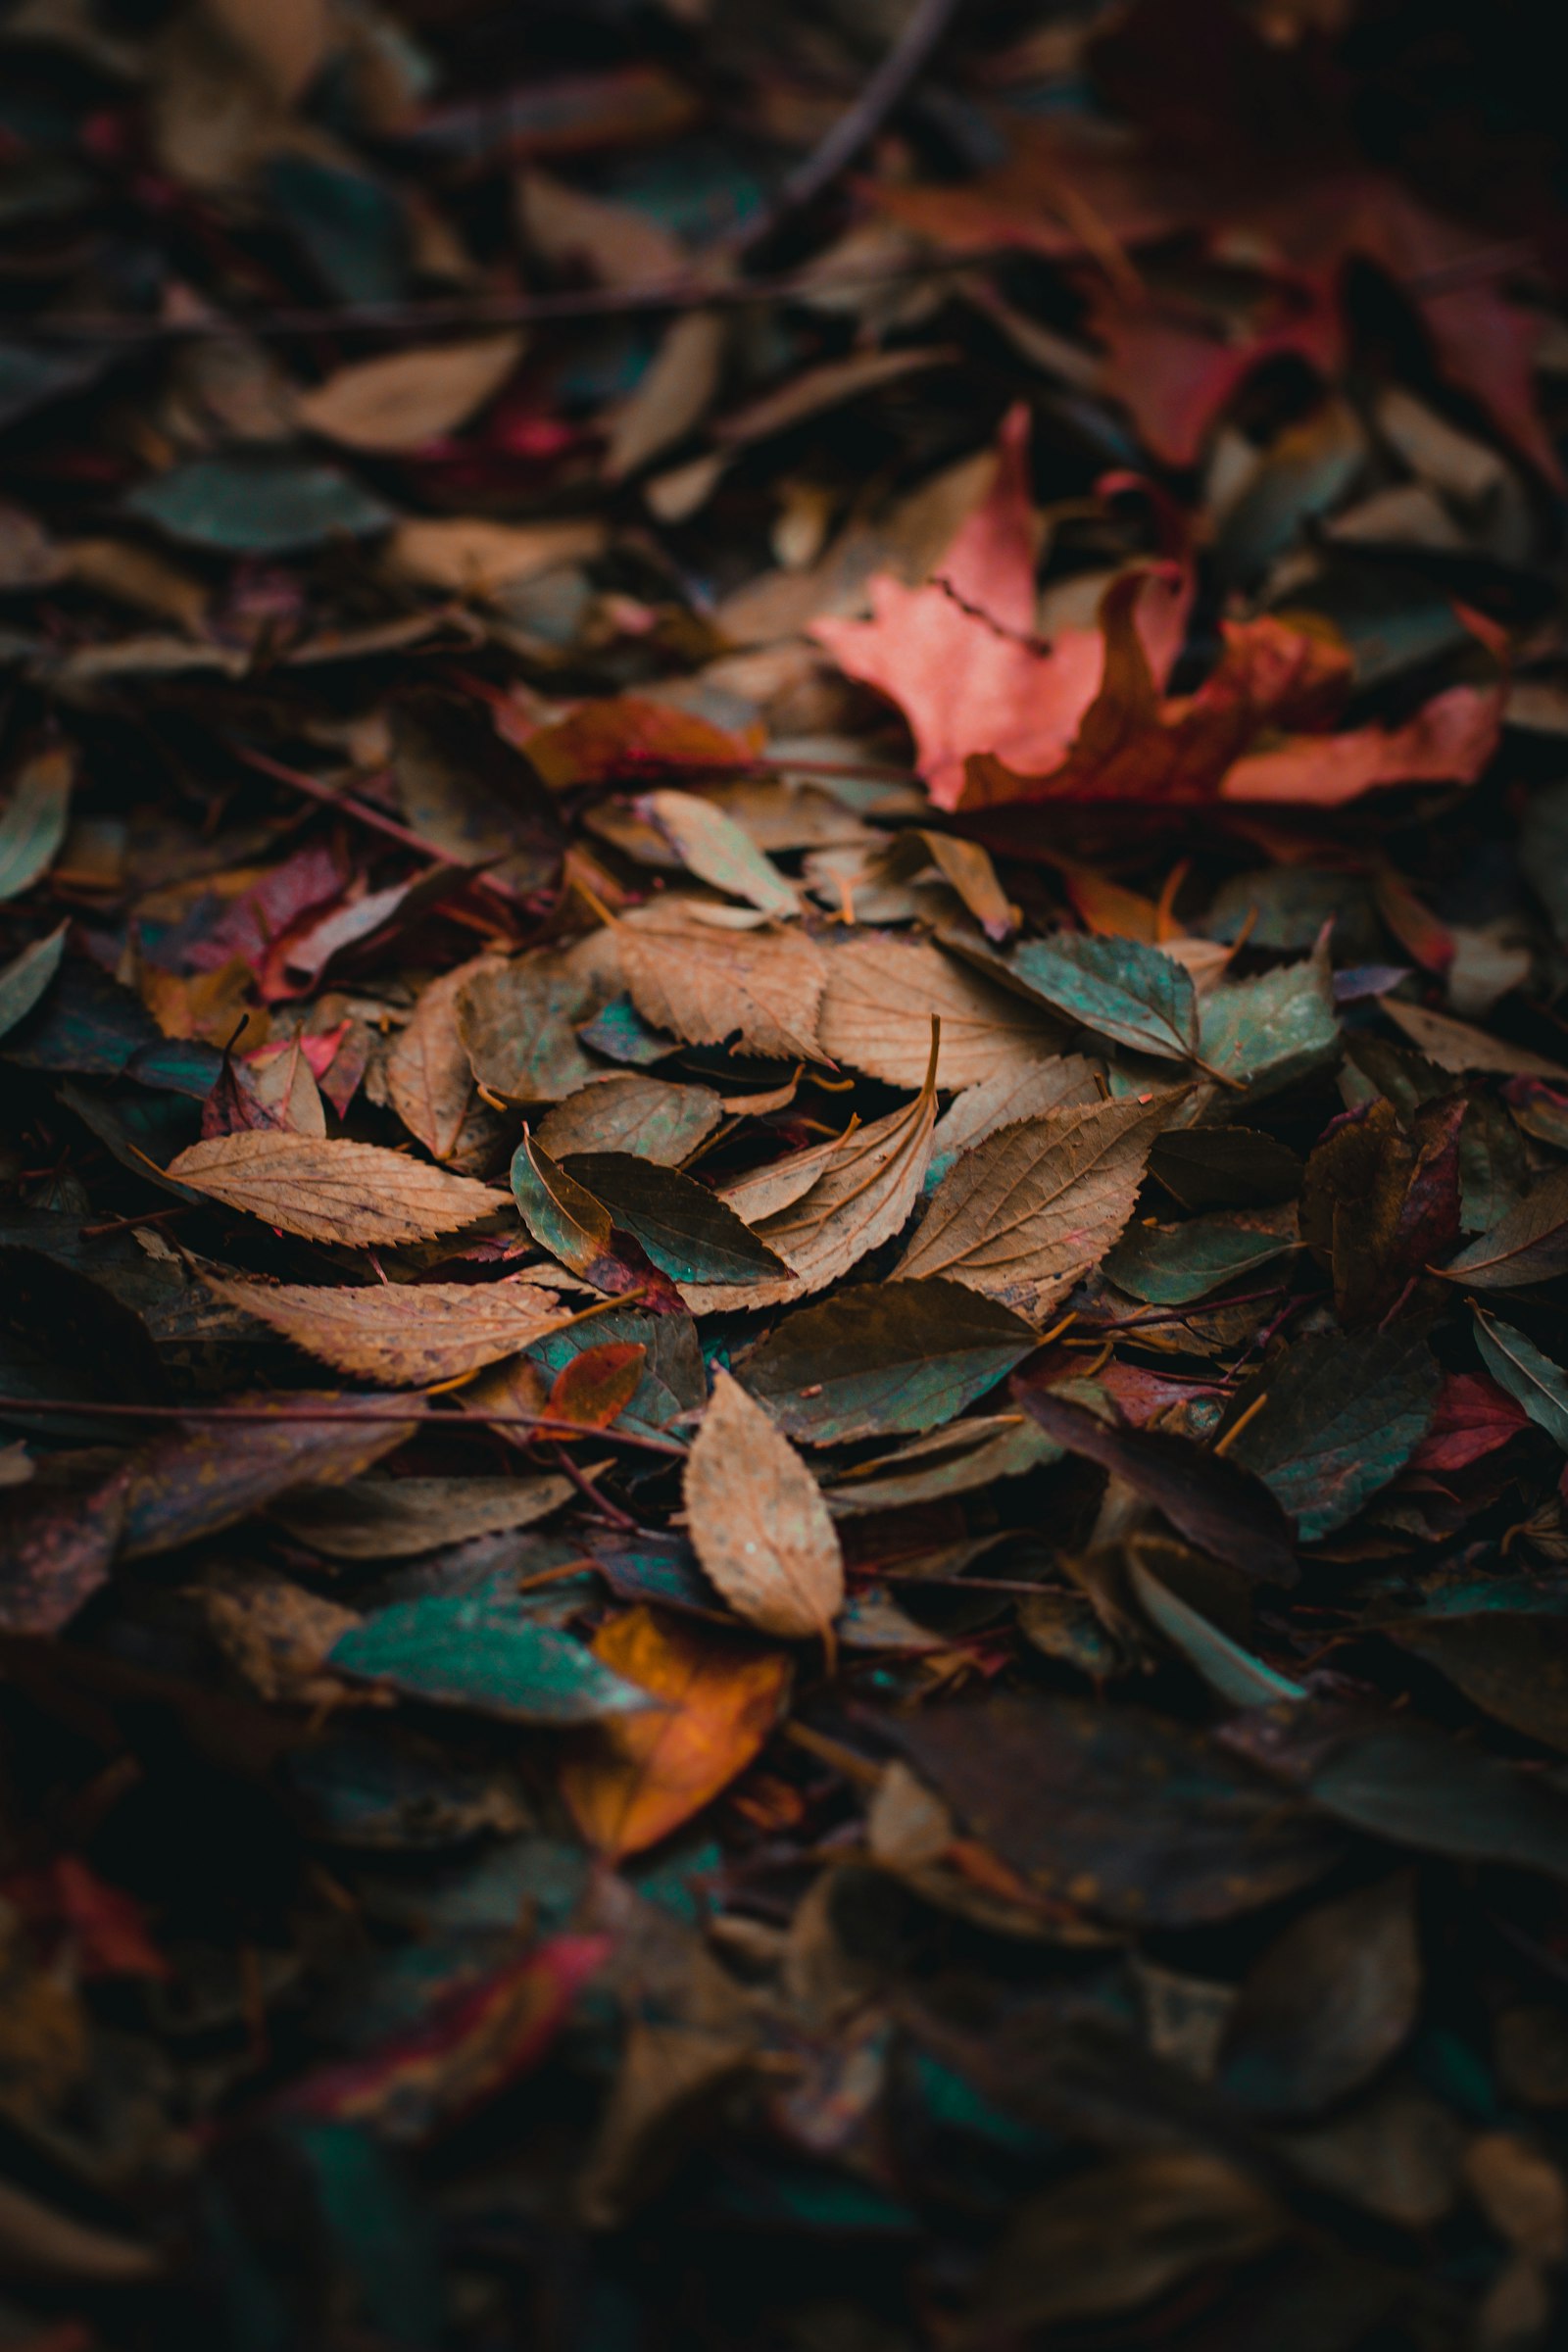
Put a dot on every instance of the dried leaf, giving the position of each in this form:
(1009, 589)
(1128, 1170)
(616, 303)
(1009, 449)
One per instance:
(876, 1016)
(757, 1520)
(196, 1481)
(713, 847)
(704, 985)
(332, 1191)
(391, 1518)
(407, 1335)
(1027, 1212)
(32, 822)
(884, 1358)
(407, 397)
(656, 1119)
(429, 1075)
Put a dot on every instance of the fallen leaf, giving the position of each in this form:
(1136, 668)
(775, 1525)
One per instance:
(1117, 987)
(429, 1080)
(24, 980)
(1337, 1417)
(405, 1335)
(1539, 1384)
(32, 822)
(1028, 1211)
(757, 1520)
(55, 1551)
(1530, 1243)
(408, 397)
(717, 1699)
(883, 1357)
(196, 1481)
(703, 984)
(653, 1117)
(1327, 2005)
(876, 1016)
(691, 1233)
(478, 1650)
(391, 1518)
(594, 1389)
(331, 1191)
(713, 847)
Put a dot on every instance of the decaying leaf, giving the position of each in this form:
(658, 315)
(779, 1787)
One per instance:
(330, 1190)
(409, 396)
(757, 1520)
(877, 1008)
(704, 984)
(407, 1335)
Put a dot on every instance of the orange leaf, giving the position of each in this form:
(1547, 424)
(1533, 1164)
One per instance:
(627, 737)
(596, 1387)
(635, 1780)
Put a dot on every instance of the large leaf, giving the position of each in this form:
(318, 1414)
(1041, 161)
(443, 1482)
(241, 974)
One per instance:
(1032, 1208)
(517, 1022)
(196, 1481)
(1338, 1419)
(704, 983)
(407, 1335)
(876, 1016)
(883, 1359)
(1169, 1264)
(627, 1111)
(390, 1518)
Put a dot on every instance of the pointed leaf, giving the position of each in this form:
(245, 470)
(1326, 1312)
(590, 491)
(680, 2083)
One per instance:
(1118, 986)
(713, 847)
(332, 1191)
(705, 984)
(876, 1016)
(1529, 1244)
(757, 1520)
(1341, 1417)
(885, 1357)
(32, 822)
(24, 979)
(1539, 1385)
(685, 1229)
(407, 1335)
(474, 1651)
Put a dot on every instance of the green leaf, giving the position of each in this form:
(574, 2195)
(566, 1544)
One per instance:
(1166, 1265)
(474, 1650)
(1528, 1243)
(1118, 986)
(260, 504)
(883, 1359)
(956, 1460)
(1268, 1032)
(1341, 1417)
(688, 1232)
(1539, 1385)
(33, 823)
(23, 980)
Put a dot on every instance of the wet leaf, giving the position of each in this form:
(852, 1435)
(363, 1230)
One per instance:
(757, 1520)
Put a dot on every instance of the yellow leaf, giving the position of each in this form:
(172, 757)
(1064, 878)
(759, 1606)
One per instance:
(757, 1520)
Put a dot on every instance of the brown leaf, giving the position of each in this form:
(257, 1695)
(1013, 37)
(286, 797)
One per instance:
(429, 1077)
(1027, 1212)
(408, 1335)
(408, 397)
(627, 1111)
(855, 1193)
(469, 554)
(877, 1006)
(1456, 1047)
(198, 1479)
(705, 984)
(757, 1521)
(393, 1518)
(56, 1548)
(670, 396)
(332, 1191)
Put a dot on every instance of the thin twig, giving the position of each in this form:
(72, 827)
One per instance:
(854, 129)
(542, 1423)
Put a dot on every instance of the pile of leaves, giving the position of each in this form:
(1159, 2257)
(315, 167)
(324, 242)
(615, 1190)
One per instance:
(784, 1190)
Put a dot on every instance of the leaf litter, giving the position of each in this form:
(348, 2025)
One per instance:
(796, 779)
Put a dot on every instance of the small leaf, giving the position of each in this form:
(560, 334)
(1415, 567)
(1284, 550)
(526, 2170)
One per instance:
(1238, 1678)
(406, 397)
(887, 1357)
(651, 1117)
(759, 1522)
(518, 1023)
(1118, 986)
(1224, 1167)
(474, 1651)
(1327, 2005)
(332, 1191)
(1529, 1244)
(717, 1699)
(595, 1387)
(562, 1214)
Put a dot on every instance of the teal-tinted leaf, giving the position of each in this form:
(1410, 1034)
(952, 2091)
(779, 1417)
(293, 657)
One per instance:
(1283, 909)
(1341, 1417)
(350, 228)
(1238, 1678)
(472, 1650)
(25, 978)
(1166, 1265)
(1268, 1032)
(517, 1021)
(1529, 1244)
(29, 376)
(882, 1358)
(687, 1230)
(956, 1460)
(662, 1569)
(385, 1787)
(1539, 1385)
(32, 822)
(261, 503)
(1118, 986)
(1225, 1167)
(621, 1034)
